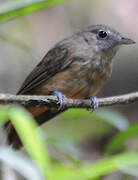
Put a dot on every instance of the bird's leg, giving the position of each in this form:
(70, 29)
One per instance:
(60, 97)
(94, 101)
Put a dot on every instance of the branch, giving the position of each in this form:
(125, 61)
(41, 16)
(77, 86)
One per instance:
(52, 101)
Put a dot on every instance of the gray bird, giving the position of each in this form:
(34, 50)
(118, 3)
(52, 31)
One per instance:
(76, 67)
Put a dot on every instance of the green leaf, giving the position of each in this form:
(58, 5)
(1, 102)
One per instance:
(114, 118)
(67, 148)
(97, 169)
(121, 138)
(3, 114)
(27, 130)
(17, 8)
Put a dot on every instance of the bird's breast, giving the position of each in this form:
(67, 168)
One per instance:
(77, 81)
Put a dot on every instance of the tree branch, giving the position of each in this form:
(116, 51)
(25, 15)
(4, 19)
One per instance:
(52, 101)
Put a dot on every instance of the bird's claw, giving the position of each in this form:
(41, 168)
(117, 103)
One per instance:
(60, 97)
(95, 104)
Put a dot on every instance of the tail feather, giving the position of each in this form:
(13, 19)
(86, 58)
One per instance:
(12, 136)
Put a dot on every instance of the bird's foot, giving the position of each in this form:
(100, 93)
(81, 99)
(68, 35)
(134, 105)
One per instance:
(95, 104)
(60, 97)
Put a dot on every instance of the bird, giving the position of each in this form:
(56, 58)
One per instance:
(76, 67)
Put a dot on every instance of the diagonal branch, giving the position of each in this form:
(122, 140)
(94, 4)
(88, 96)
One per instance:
(52, 101)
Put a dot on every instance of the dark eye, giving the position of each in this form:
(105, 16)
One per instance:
(102, 34)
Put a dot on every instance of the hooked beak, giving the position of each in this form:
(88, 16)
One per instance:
(127, 41)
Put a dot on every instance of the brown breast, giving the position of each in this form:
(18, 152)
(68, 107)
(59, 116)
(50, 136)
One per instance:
(75, 82)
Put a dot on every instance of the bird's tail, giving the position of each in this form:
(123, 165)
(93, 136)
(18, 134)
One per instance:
(12, 137)
(41, 115)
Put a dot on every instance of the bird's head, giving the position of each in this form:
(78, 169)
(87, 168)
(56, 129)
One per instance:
(106, 38)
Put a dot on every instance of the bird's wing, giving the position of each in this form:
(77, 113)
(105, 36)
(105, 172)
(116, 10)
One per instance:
(56, 60)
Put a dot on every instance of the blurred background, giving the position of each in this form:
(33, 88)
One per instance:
(24, 42)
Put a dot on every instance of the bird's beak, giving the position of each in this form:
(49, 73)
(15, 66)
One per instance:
(127, 41)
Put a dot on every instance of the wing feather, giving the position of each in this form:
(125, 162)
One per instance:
(56, 60)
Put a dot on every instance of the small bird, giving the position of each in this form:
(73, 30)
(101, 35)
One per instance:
(76, 67)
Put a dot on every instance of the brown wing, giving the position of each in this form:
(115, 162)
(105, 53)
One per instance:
(56, 60)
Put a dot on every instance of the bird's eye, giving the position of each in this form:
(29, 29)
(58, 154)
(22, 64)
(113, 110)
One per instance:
(102, 34)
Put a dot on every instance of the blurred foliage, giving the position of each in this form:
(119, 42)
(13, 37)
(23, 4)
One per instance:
(121, 138)
(15, 41)
(20, 163)
(55, 170)
(14, 9)
(41, 164)
(26, 127)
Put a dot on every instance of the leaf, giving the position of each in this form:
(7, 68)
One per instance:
(67, 148)
(114, 118)
(97, 169)
(16, 8)
(3, 114)
(27, 130)
(121, 138)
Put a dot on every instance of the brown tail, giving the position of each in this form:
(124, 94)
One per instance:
(13, 138)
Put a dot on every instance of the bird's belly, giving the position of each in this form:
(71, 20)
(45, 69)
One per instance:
(70, 84)
(81, 84)
(98, 78)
